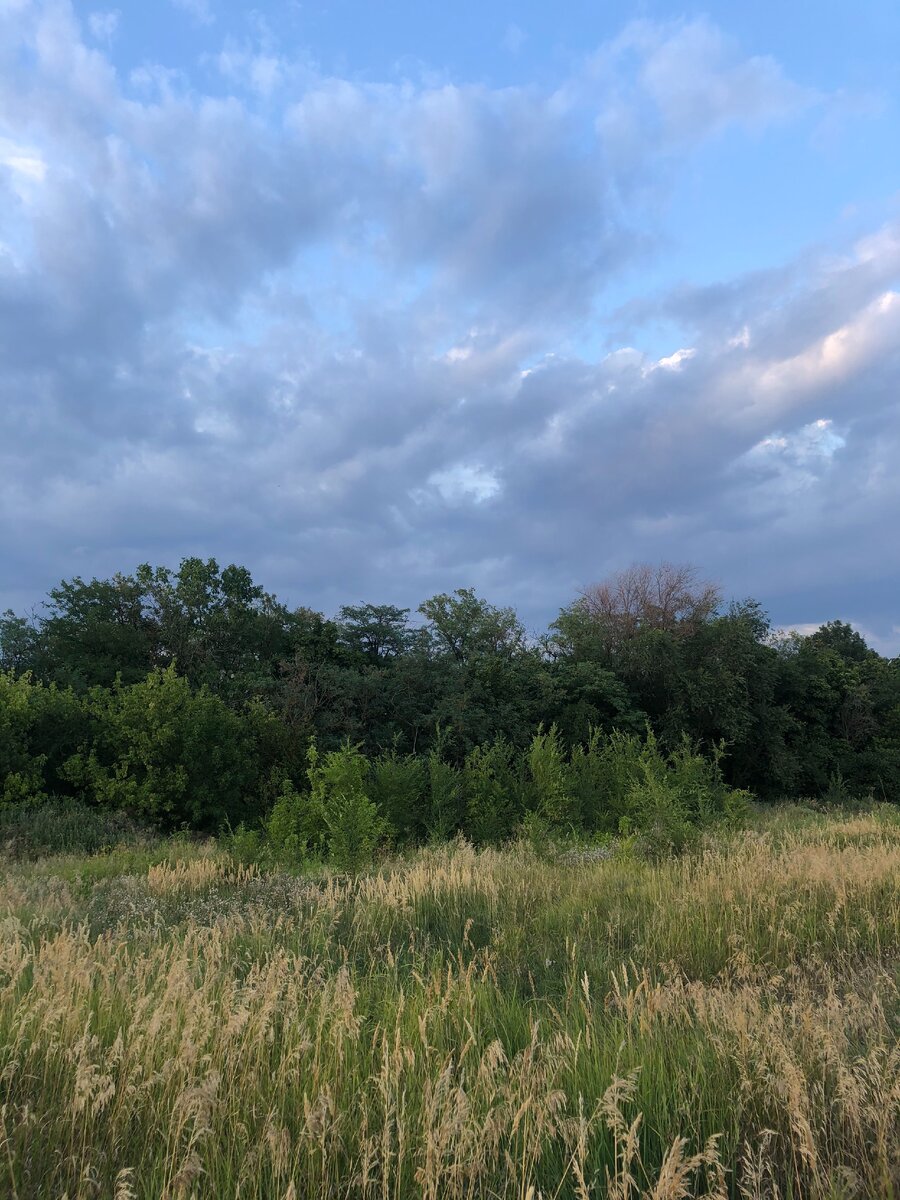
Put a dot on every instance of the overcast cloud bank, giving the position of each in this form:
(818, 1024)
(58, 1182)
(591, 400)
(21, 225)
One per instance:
(337, 331)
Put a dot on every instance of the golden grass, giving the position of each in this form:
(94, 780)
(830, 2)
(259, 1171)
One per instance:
(465, 1024)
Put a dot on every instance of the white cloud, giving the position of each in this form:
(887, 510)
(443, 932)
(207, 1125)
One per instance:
(513, 39)
(674, 362)
(104, 24)
(463, 483)
(199, 10)
(21, 160)
(831, 359)
(800, 455)
(674, 84)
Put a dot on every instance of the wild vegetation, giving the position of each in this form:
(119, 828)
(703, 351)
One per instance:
(294, 907)
(193, 698)
(460, 1022)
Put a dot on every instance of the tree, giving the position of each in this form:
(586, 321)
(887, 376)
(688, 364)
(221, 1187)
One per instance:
(218, 626)
(97, 631)
(374, 632)
(465, 627)
(843, 639)
(667, 597)
(20, 643)
(169, 753)
(40, 728)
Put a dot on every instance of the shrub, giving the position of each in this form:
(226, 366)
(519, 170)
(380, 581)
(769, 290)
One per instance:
(679, 794)
(491, 792)
(551, 791)
(602, 773)
(397, 786)
(624, 756)
(338, 791)
(167, 753)
(837, 794)
(538, 834)
(296, 826)
(354, 830)
(444, 814)
(657, 812)
(245, 844)
(40, 728)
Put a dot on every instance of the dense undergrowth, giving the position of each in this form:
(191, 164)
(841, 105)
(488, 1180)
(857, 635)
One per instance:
(544, 1019)
(350, 808)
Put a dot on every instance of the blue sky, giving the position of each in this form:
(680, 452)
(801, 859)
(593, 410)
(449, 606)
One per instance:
(385, 299)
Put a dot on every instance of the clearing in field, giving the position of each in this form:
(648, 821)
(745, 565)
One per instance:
(459, 1024)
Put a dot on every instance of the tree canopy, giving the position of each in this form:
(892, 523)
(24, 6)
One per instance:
(653, 647)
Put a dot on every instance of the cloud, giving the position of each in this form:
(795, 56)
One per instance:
(327, 327)
(513, 39)
(104, 25)
(461, 484)
(200, 11)
(22, 160)
(686, 80)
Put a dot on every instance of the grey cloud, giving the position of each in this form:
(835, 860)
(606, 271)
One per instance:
(180, 372)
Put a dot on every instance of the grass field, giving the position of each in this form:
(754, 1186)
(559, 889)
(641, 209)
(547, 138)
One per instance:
(458, 1024)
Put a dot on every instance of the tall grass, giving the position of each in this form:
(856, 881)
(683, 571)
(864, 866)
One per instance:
(36, 828)
(466, 1023)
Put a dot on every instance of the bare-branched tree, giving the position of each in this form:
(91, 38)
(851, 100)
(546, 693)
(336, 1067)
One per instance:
(668, 596)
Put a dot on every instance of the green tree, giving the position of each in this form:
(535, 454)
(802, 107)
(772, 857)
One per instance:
(464, 626)
(338, 789)
(167, 752)
(97, 631)
(374, 632)
(20, 644)
(41, 726)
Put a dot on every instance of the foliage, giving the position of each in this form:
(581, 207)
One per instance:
(551, 792)
(338, 791)
(465, 627)
(296, 826)
(166, 752)
(493, 790)
(445, 794)
(397, 786)
(246, 844)
(189, 695)
(40, 728)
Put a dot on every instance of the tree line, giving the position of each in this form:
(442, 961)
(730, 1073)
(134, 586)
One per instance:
(193, 696)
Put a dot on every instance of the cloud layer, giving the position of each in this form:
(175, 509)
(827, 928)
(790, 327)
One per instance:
(335, 330)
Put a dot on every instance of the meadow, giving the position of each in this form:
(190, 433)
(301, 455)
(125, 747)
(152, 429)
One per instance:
(458, 1023)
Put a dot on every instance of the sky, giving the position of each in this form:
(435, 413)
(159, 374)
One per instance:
(381, 300)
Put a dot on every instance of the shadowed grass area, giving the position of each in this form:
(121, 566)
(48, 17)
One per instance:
(459, 1024)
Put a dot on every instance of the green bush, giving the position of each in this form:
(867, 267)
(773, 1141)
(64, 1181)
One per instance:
(41, 726)
(445, 794)
(397, 786)
(296, 827)
(837, 794)
(338, 791)
(492, 792)
(624, 758)
(246, 844)
(678, 795)
(354, 830)
(167, 753)
(552, 797)
(657, 812)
